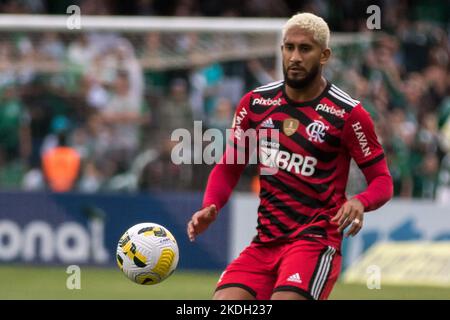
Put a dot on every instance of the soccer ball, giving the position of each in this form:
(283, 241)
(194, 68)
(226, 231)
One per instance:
(147, 253)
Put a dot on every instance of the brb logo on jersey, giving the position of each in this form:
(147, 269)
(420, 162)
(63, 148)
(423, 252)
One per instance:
(316, 131)
(271, 156)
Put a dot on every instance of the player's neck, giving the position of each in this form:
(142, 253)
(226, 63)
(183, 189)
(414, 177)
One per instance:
(310, 92)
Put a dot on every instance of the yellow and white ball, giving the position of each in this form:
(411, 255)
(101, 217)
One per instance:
(147, 253)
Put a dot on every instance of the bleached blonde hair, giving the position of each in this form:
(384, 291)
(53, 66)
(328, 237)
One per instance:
(312, 23)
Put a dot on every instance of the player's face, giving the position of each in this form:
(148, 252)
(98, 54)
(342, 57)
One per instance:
(303, 58)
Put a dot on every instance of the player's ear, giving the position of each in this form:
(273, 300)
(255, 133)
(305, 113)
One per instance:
(325, 56)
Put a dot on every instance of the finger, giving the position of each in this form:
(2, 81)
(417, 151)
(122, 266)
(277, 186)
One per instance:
(345, 223)
(355, 228)
(338, 215)
(191, 228)
(194, 221)
(191, 231)
(352, 229)
(358, 221)
(345, 215)
(188, 227)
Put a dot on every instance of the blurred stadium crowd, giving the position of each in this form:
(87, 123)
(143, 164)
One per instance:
(108, 101)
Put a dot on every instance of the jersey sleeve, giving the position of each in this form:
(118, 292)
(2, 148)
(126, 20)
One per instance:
(240, 124)
(225, 175)
(364, 147)
(360, 138)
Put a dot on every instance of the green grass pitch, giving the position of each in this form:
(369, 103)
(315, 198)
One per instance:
(22, 282)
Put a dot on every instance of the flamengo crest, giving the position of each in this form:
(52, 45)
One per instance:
(316, 131)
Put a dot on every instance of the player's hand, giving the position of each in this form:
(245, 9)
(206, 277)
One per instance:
(200, 221)
(351, 212)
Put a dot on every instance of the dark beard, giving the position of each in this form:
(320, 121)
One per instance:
(306, 81)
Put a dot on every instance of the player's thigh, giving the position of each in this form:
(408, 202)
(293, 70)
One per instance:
(309, 269)
(287, 295)
(233, 293)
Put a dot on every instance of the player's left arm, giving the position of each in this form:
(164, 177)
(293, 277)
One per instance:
(363, 145)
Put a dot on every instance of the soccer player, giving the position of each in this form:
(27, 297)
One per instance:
(303, 211)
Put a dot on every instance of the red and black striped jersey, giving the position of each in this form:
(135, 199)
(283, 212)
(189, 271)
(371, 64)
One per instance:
(304, 157)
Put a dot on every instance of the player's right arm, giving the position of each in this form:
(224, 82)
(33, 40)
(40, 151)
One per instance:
(225, 175)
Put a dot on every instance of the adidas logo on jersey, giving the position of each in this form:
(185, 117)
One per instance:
(267, 102)
(268, 123)
(295, 278)
(331, 110)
